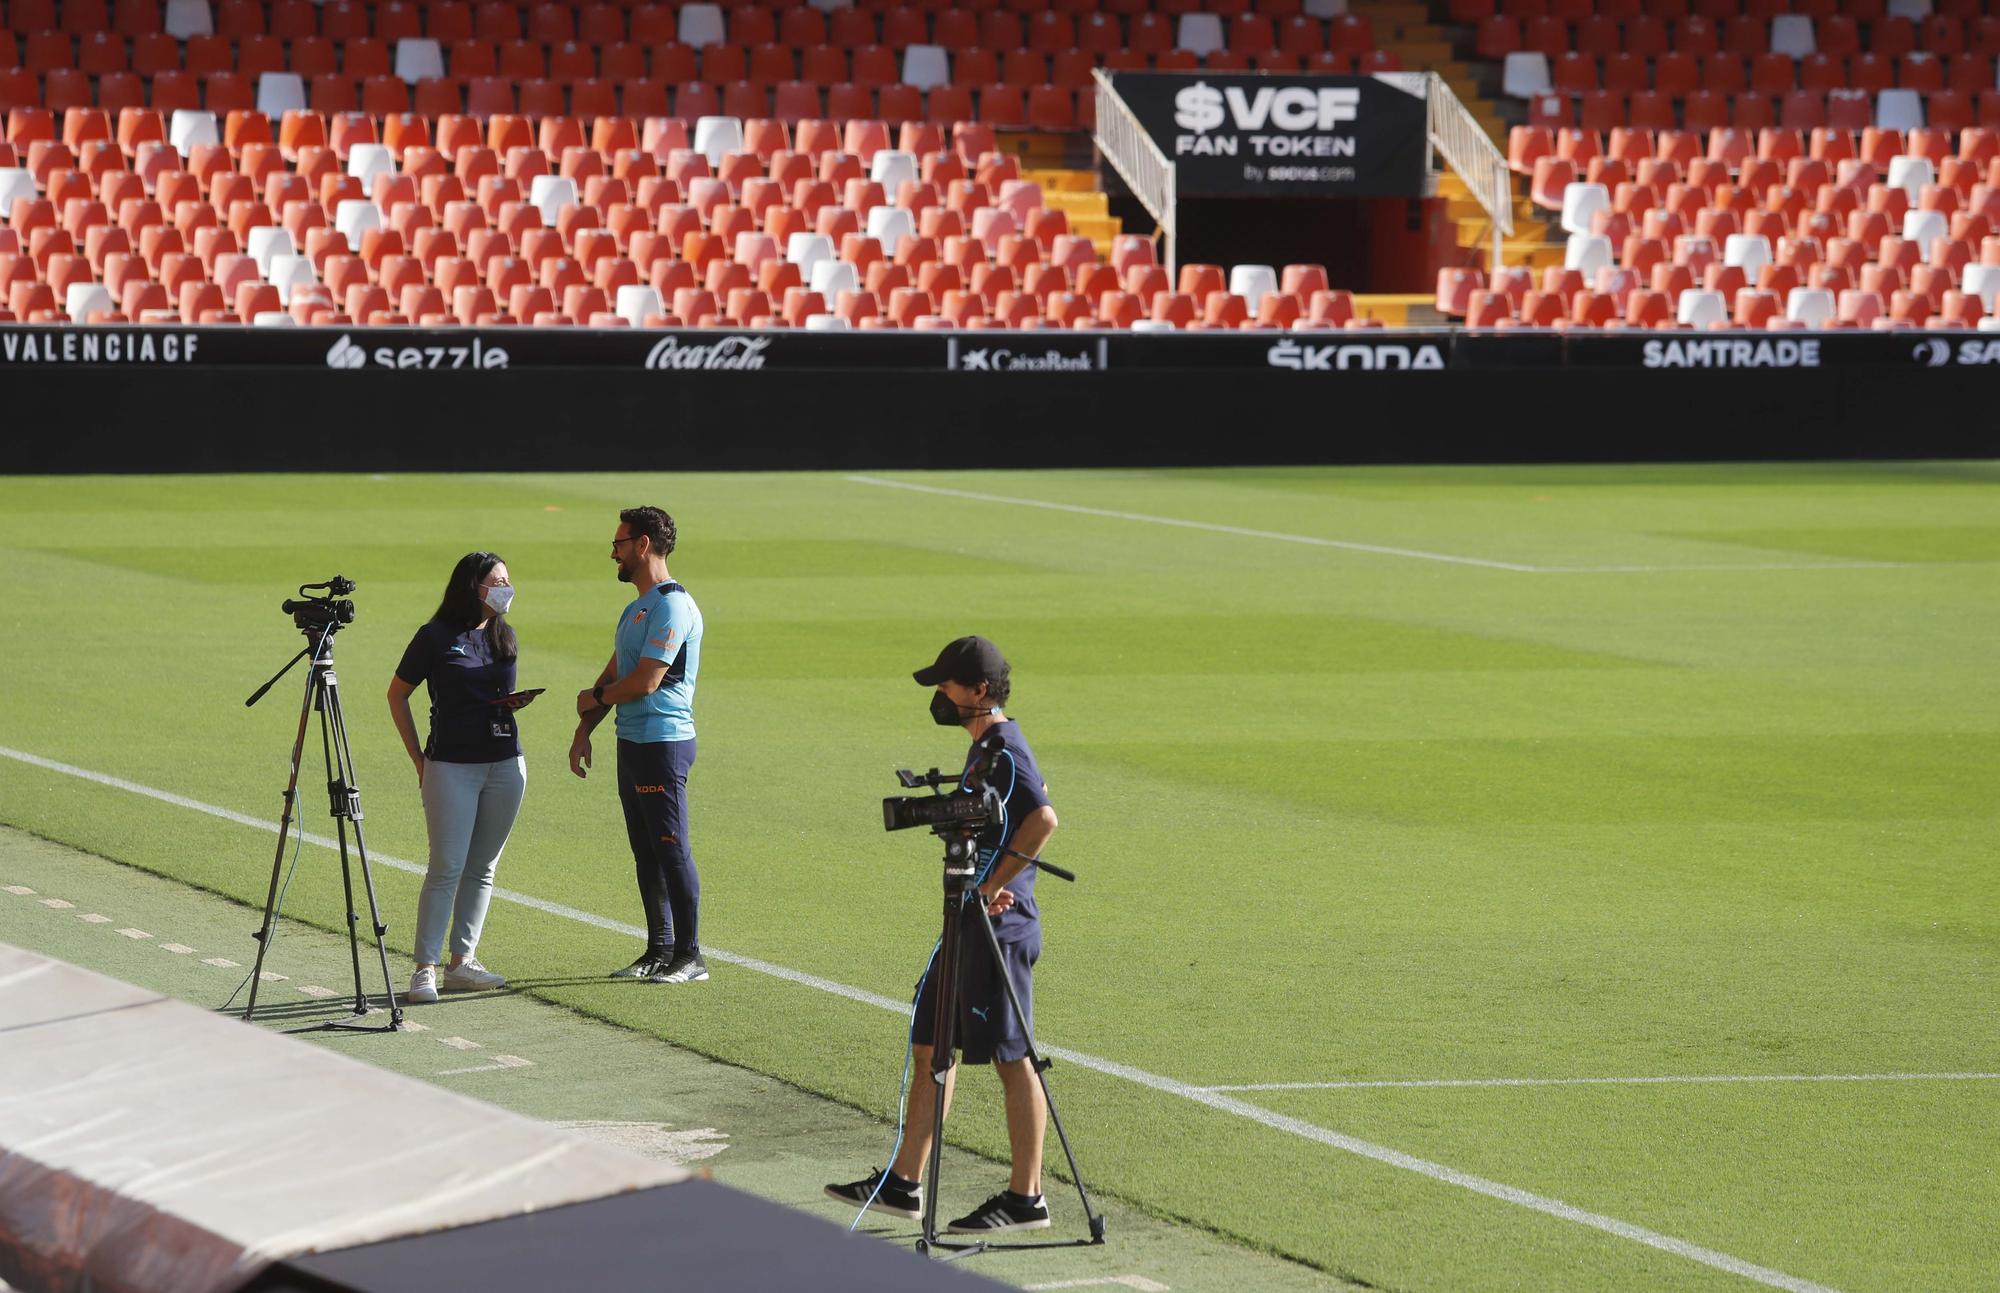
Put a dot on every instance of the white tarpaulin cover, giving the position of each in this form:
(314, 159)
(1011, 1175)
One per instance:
(151, 1145)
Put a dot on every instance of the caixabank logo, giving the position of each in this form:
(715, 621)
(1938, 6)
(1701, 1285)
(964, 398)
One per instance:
(345, 354)
(1936, 352)
(1029, 356)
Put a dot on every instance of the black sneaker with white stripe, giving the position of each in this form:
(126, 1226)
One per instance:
(897, 1197)
(648, 964)
(691, 967)
(1003, 1212)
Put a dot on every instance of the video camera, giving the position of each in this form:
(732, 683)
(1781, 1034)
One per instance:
(973, 807)
(326, 613)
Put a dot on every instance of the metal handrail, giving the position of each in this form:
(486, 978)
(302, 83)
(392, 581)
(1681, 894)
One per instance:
(1146, 170)
(1454, 133)
(1459, 138)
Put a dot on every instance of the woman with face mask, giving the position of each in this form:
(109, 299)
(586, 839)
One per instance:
(470, 771)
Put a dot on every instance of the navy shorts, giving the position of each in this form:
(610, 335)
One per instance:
(987, 1031)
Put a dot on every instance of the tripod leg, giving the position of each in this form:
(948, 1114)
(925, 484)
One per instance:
(340, 805)
(269, 929)
(944, 1050)
(1095, 1218)
(352, 803)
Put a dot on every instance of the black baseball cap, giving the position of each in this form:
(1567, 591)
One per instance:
(968, 660)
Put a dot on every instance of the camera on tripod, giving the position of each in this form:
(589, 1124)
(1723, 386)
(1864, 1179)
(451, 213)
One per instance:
(973, 807)
(325, 613)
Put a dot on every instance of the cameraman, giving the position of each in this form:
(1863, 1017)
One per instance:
(972, 682)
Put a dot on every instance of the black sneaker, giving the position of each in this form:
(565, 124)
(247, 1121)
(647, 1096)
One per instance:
(1004, 1211)
(893, 1197)
(691, 968)
(643, 968)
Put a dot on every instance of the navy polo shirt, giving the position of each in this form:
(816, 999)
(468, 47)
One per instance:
(464, 680)
(1022, 791)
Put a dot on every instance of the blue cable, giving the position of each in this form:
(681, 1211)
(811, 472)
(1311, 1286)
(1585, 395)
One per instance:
(902, 1093)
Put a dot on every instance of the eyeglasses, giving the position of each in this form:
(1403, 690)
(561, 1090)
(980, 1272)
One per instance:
(627, 539)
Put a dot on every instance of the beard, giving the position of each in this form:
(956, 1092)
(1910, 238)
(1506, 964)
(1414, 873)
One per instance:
(624, 575)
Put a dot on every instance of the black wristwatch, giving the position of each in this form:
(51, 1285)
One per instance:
(597, 694)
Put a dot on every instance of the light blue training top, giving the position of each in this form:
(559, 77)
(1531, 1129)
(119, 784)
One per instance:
(664, 624)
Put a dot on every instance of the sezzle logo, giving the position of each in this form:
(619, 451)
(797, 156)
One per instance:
(344, 354)
(1378, 357)
(724, 352)
(1199, 107)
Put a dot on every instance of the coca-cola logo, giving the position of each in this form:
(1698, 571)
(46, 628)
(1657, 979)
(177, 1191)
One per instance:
(723, 352)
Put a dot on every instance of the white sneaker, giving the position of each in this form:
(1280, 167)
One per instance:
(423, 986)
(470, 976)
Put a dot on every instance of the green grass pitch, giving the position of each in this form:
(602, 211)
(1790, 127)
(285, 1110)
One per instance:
(1371, 776)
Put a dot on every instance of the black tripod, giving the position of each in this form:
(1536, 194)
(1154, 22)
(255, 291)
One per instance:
(961, 899)
(344, 796)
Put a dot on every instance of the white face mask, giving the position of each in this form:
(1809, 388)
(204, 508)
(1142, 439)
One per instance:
(498, 598)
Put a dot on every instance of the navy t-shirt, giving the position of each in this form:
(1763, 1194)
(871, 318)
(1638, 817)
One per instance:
(464, 680)
(1022, 791)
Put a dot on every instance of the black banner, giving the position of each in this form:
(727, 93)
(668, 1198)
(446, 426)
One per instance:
(1284, 134)
(1050, 353)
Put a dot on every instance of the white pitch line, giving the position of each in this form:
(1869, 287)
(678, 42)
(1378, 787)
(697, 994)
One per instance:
(1139, 1282)
(1218, 1100)
(499, 1062)
(1210, 526)
(1419, 554)
(1667, 1080)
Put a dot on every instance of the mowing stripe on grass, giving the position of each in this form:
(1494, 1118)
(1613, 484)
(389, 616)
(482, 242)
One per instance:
(1213, 1099)
(1210, 526)
(1517, 567)
(1669, 1080)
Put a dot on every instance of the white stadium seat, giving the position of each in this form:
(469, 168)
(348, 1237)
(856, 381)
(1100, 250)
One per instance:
(418, 59)
(187, 18)
(636, 301)
(1524, 75)
(1253, 283)
(1580, 202)
(701, 24)
(1702, 309)
(191, 127)
(926, 67)
(717, 137)
(1200, 34)
(279, 93)
(1811, 306)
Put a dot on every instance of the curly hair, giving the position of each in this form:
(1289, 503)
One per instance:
(654, 524)
(1000, 688)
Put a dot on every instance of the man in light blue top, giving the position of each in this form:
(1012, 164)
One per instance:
(650, 680)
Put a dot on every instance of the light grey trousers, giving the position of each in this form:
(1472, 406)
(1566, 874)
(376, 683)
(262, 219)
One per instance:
(470, 809)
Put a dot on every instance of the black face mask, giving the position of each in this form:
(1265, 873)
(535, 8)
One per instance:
(944, 711)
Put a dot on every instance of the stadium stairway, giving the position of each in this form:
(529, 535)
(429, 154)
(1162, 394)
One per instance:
(1412, 31)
